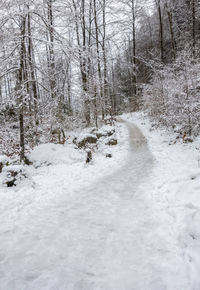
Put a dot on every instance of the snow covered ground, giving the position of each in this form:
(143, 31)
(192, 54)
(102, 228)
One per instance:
(130, 222)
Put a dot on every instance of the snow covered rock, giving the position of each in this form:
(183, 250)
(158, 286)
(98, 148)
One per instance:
(105, 131)
(112, 141)
(86, 139)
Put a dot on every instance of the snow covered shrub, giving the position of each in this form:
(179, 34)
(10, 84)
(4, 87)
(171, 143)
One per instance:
(8, 112)
(13, 175)
(172, 98)
(4, 161)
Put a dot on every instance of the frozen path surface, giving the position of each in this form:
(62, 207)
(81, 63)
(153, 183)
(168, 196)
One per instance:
(116, 234)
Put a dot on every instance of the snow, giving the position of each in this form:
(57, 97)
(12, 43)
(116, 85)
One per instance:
(128, 222)
(4, 159)
(54, 154)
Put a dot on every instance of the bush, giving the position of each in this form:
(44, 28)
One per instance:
(172, 98)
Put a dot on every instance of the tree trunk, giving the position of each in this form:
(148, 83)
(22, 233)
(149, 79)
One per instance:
(32, 70)
(161, 30)
(20, 88)
(170, 19)
(51, 50)
(133, 101)
(105, 81)
(98, 60)
(82, 57)
(194, 27)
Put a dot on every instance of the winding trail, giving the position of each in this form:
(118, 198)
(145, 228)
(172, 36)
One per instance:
(115, 235)
(127, 243)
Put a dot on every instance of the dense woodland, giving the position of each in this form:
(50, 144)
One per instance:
(70, 63)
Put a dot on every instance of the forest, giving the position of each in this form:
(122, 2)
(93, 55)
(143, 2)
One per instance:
(99, 144)
(70, 63)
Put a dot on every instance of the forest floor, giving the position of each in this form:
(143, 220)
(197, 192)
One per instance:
(130, 222)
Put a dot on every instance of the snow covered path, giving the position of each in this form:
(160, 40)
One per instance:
(115, 234)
